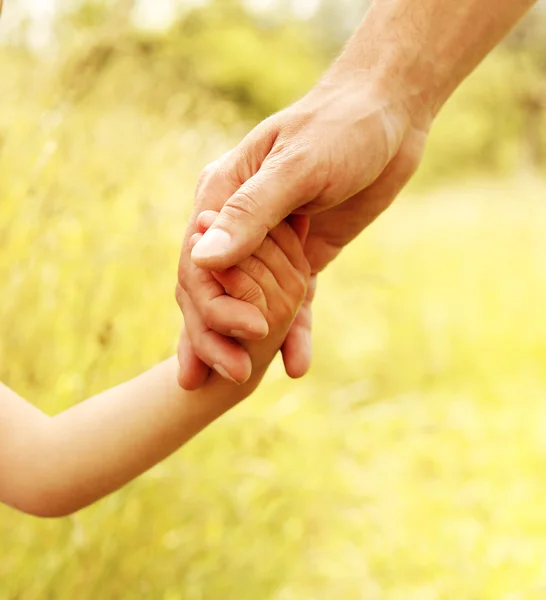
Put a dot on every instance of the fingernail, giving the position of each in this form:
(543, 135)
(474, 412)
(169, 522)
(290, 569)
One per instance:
(223, 373)
(214, 243)
(257, 333)
(239, 333)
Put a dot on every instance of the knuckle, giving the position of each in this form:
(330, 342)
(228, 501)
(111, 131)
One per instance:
(300, 287)
(243, 203)
(286, 239)
(301, 262)
(283, 230)
(285, 308)
(239, 285)
(209, 316)
(245, 288)
(208, 168)
(179, 295)
(206, 172)
(268, 246)
(252, 294)
(182, 275)
(251, 203)
(255, 268)
(210, 178)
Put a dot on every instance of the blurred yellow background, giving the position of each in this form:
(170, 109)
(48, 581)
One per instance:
(409, 464)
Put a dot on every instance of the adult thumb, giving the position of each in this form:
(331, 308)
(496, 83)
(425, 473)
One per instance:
(259, 205)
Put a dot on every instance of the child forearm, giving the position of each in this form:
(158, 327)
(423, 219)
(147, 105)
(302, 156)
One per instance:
(97, 446)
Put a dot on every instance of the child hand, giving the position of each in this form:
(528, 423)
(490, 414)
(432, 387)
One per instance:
(274, 279)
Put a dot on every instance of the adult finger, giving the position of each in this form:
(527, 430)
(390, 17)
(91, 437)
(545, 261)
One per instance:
(227, 357)
(297, 348)
(193, 372)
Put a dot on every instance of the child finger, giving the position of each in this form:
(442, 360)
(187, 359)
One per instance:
(234, 317)
(277, 299)
(288, 241)
(221, 353)
(224, 314)
(193, 372)
(276, 261)
(206, 219)
(300, 224)
(240, 285)
(194, 239)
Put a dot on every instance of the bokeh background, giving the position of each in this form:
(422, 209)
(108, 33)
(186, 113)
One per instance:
(410, 464)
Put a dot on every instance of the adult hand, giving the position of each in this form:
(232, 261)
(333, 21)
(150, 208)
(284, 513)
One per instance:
(341, 154)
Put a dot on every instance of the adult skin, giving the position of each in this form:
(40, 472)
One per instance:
(341, 154)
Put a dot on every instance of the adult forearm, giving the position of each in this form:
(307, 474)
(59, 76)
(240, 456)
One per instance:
(421, 50)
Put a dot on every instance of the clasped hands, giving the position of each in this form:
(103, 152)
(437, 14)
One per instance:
(340, 155)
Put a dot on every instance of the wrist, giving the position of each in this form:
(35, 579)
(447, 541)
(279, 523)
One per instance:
(220, 395)
(398, 89)
(386, 57)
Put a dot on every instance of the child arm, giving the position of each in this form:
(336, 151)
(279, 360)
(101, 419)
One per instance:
(53, 466)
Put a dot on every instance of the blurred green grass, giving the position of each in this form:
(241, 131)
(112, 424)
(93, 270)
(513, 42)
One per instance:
(406, 466)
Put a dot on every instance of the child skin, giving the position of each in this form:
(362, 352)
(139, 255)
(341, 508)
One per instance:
(54, 466)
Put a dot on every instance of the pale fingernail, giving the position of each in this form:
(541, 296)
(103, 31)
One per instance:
(239, 333)
(214, 243)
(195, 239)
(223, 373)
(258, 333)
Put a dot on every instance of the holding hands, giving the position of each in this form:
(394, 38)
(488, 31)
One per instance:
(265, 290)
(340, 155)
